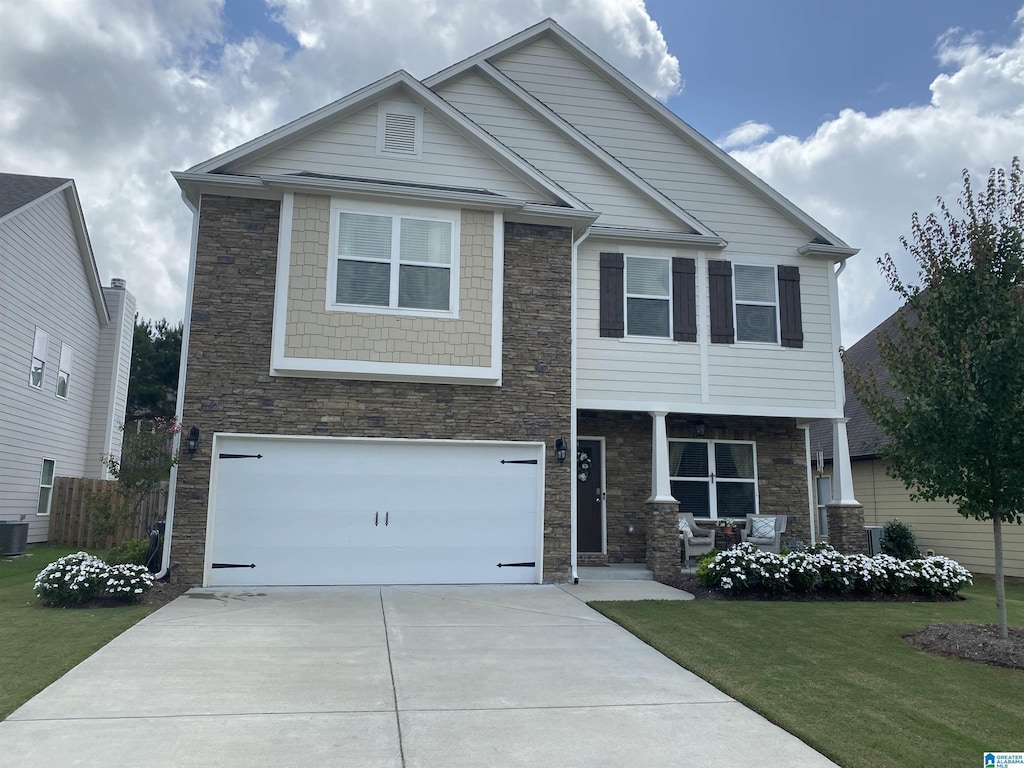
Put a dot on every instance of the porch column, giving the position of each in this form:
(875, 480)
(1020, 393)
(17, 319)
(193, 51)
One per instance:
(661, 488)
(845, 514)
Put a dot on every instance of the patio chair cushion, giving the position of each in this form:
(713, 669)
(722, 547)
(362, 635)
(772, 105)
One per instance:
(762, 528)
(756, 540)
(684, 528)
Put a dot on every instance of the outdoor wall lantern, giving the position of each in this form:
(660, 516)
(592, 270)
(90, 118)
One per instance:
(192, 441)
(700, 428)
(560, 451)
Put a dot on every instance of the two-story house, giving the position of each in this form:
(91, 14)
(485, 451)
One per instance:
(65, 349)
(490, 325)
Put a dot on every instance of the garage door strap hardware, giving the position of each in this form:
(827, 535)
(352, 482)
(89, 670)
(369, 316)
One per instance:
(517, 565)
(233, 565)
(240, 456)
(518, 461)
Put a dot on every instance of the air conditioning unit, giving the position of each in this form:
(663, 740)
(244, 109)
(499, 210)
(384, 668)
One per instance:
(874, 533)
(13, 538)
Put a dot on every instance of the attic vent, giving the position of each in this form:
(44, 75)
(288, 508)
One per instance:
(399, 128)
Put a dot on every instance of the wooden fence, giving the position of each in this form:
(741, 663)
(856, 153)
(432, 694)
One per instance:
(70, 519)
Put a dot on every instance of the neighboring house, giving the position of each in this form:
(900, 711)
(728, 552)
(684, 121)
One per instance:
(488, 326)
(936, 524)
(65, 349)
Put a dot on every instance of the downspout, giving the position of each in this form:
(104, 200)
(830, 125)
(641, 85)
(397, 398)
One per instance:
(180, 401)
(573, 551)
(810, 483)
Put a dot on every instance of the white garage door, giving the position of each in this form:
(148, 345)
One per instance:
(360, 511)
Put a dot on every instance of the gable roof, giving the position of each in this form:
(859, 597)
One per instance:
(307, 124)
(18, 192)
(550, 28)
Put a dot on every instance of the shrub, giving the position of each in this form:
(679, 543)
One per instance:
(127, 582)
(130, 552)
(898, 540)
(71, 580)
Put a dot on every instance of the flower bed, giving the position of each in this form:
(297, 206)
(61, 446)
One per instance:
(76, 579)
(823, 570)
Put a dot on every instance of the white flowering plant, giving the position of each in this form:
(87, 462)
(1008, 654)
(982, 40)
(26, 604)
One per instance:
(746, 568)
(76, 579)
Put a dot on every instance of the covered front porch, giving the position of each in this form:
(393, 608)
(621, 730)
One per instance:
(636, 471)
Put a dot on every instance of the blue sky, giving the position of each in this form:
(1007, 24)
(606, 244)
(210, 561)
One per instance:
(859, 112)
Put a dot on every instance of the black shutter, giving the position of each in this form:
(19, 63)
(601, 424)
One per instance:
(684, 299)
(613, 297)
(789, 307)
(720, 287)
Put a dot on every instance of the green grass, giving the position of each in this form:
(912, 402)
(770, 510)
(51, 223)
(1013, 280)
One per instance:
(39, 644)
(838, 675)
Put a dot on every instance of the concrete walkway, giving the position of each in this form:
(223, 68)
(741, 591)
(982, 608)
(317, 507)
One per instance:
(388, 677)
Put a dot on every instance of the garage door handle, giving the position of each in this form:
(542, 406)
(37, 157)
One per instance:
(386, 516)
(376, 518)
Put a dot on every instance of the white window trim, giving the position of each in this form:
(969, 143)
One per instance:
(64, 370)
(775, 304)
(400, 108)
(395, 213)
(626, 296)
(49, 503)
(42, 360)
(713, 498)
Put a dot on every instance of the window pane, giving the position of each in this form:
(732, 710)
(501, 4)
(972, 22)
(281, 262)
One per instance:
(755, 324)
(734, 460)
(687, 459)
(735, 499)
(649, 277)
(368, 237)
(66, 356)
(39, 344)
(692, 496)
(47, 475)
(423, 287)
(62, 384)
(754, 283)
(429, 241)
(363, 282)
(44, 501)
(35, 377)
(647, 317)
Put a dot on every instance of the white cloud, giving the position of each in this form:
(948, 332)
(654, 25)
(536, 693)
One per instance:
(116, 94)
(745, 134)
(863, 175)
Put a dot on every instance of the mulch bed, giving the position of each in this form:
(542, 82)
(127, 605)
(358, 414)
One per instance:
(164, 592)
(688, 583)
(973, 642)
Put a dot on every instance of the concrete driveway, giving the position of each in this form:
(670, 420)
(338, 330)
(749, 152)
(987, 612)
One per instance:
(388, 677)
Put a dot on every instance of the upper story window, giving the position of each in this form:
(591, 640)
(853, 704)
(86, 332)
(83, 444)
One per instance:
(756, 304)
(401, 263)
(648, 297)
(64, 371)
(39, 345)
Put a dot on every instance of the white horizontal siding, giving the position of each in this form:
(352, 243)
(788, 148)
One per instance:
(44, 284)
(112, 371)
(936, 524)
(559, 158)
(752, 376)
(650, 147)
(348, 147)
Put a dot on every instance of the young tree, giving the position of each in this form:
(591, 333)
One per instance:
(955, 413)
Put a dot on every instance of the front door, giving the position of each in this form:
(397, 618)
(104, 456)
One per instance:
(589, 497)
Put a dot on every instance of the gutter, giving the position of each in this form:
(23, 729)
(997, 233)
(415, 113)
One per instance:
(179, 404)
(573, 549)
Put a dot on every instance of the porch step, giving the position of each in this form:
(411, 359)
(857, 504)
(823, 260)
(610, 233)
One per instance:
(616, 572)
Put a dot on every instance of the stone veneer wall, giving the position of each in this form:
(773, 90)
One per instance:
(313, 332)
(781, 470)
(229, 388)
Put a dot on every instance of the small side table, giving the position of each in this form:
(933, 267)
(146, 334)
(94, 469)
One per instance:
(726, 539)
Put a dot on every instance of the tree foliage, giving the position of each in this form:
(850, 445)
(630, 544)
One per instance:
(955, 359)
(153, 383)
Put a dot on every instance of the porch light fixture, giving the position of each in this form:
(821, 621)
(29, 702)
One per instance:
(560, 451)
(700, 428)
(192, 441)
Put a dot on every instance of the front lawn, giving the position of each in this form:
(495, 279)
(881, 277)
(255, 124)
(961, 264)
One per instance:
(839, 676)
(39, 644)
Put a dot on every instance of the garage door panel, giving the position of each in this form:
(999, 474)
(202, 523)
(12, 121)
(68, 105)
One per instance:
(305, 512)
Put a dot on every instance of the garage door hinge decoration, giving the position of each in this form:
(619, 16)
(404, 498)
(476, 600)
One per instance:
(233, 565)
(517, 565)
(518, 461)
(240, 456)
